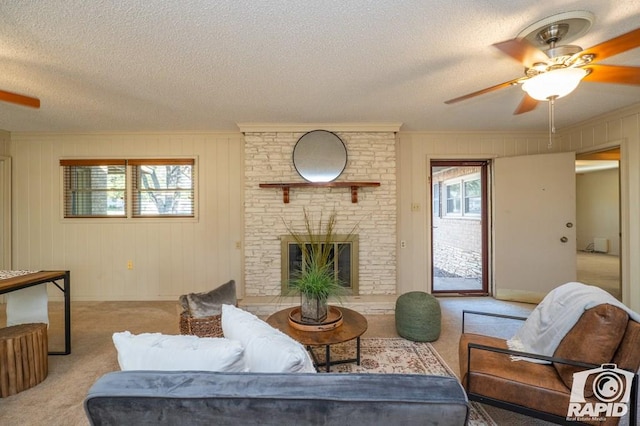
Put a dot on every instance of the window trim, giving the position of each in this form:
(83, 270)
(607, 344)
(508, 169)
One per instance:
(447, 184)
(66, 186)
(460, 180)
(136, 191)
(465, 198)
(96, 161)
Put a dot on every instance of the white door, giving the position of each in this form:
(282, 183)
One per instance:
(534, 225)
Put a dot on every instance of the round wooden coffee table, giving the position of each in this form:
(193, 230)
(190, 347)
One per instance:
(353, 326)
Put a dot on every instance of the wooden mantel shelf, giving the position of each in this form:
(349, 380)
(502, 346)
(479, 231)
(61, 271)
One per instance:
(286, 185)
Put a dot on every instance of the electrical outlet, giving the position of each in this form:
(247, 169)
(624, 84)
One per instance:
(130, 264)
(415, 207)
(238, 245)
(403, 244)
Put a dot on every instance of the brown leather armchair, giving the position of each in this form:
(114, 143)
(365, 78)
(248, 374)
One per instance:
(603, 335)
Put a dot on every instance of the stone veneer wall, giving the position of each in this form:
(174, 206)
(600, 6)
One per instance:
(268, 159)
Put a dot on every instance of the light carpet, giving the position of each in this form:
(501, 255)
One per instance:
(397, 355)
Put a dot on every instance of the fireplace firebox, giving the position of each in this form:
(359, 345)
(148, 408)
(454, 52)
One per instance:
(345, 264)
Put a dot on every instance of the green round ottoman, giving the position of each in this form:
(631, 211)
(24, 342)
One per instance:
(418, 316)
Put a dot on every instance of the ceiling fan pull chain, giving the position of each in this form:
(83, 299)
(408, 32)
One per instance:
(552, 124)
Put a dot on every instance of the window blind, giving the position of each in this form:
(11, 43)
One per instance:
(163, 187)
(94, 188)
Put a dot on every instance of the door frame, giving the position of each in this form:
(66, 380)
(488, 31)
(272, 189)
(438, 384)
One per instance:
(623, 209)
(5, 205)
(484, 220)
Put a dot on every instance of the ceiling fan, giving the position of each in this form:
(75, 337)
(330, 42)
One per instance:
(16, 98)
(554, 70)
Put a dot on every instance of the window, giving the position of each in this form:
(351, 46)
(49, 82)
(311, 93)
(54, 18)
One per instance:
(436, 200)
(154, 187)
(463, 196)
(472, 197)
(453, 198)
(94, 188)
(162, 188)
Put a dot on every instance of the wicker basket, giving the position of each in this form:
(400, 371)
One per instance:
(201, 327)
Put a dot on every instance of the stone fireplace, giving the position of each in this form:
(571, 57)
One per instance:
(268, 159)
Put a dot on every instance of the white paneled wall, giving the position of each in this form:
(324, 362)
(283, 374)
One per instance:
(170, 257)
(416, 149)
(5, 143)
(415, 152)
(597, 210)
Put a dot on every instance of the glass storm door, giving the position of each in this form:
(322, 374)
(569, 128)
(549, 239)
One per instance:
(459, 226)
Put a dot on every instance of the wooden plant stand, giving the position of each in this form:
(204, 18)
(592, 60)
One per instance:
(23, 357)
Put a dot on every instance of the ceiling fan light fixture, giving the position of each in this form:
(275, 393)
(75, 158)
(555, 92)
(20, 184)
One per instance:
(554, 84)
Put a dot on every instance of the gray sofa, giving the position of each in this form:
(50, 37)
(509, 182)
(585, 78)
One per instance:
(207, 398)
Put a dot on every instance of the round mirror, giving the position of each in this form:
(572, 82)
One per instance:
(319, 156)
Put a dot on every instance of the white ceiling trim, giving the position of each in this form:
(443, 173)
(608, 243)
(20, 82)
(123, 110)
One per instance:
(307, 127)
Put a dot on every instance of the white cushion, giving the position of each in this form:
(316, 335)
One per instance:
(242, 325)
(266, 349)
(28, 305)
(156, 351)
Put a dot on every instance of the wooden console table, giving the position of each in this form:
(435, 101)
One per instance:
(285, 186)
(42, 277)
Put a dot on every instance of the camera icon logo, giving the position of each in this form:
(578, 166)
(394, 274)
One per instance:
(610, 385)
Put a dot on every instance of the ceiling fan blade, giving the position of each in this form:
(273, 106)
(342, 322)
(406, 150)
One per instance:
(19, 99)
(522, 51)
(613, 74)
(483, 91)
(526, 104)
(614, 46)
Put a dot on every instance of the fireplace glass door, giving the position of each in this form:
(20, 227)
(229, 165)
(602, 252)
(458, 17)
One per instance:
(345, 265)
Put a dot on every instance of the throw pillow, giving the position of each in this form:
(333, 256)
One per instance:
(277, 353)
(243, 325)
(266, 349)
(156, 351)
(200, 305)
(594, 339)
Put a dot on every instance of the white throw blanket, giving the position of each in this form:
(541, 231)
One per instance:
(556, 314)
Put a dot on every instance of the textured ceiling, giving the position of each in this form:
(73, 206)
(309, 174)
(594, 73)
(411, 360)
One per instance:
(148, 65)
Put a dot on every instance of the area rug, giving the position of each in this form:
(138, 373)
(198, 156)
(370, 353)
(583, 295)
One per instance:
(400, 356)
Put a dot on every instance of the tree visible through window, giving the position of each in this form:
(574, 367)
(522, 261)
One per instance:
(163, 188)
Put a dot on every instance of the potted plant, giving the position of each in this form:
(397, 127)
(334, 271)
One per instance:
(316, 280)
